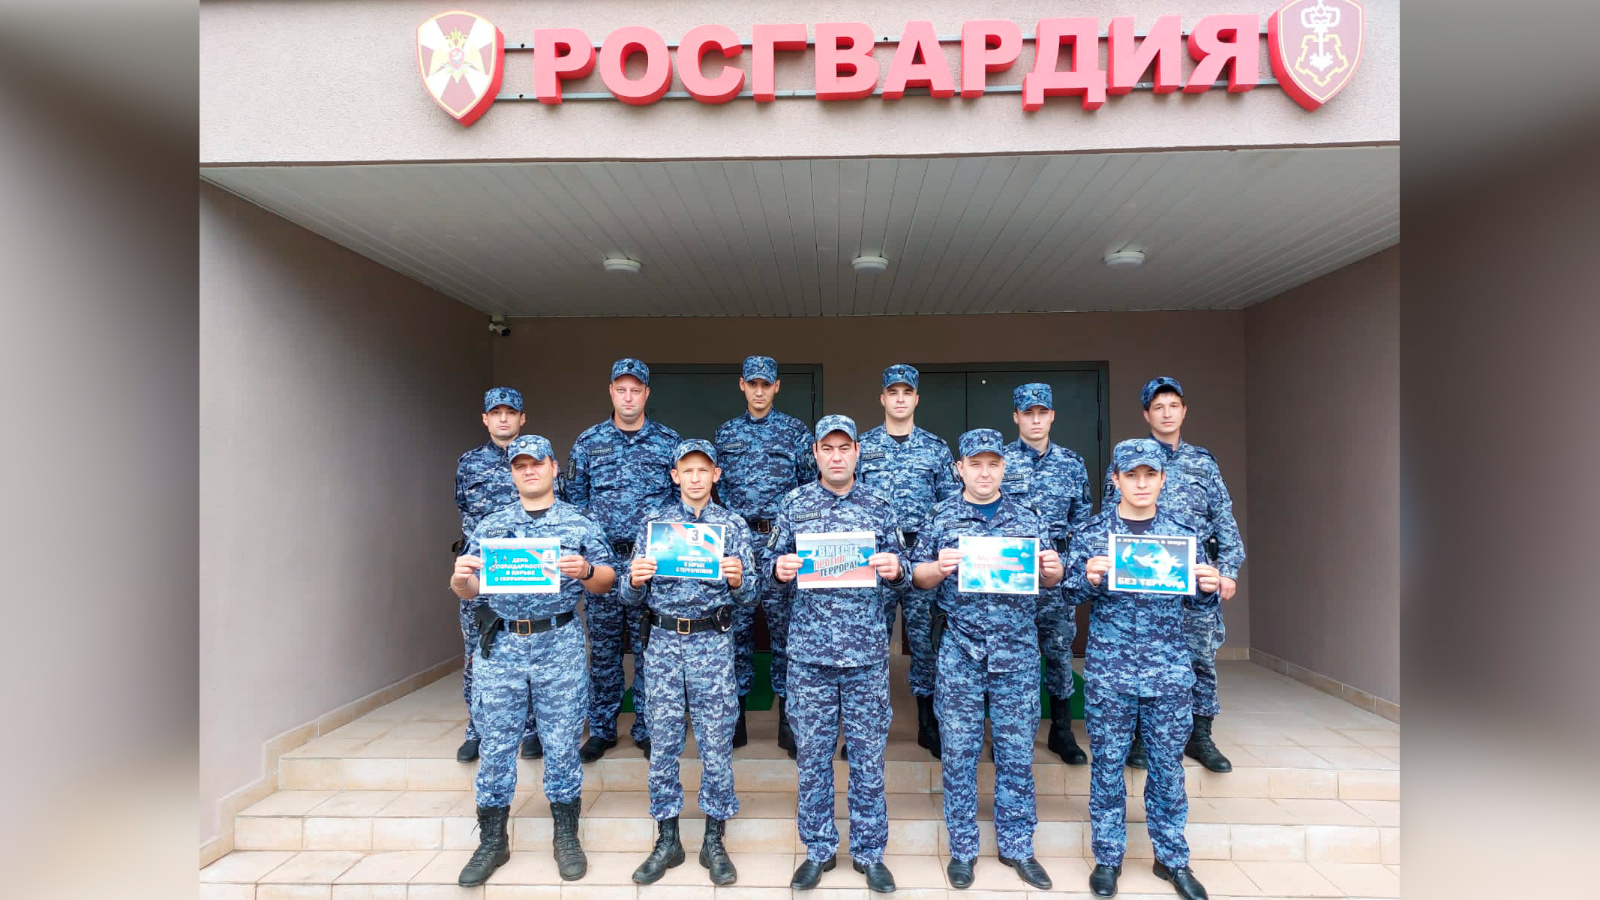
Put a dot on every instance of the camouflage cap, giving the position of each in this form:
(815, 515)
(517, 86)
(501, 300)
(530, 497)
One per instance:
(982, 440)
(1034, 393)
(1131, 454)
(1148, 393)
(900, 373)
(630, 366)
(502, 396)
(829, 424)
(533, 445)
(764, 368)
(694, 445)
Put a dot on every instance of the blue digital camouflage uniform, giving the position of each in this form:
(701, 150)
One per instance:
(614, 476)
(1137, 675)
(1054, 484)
(911, 477)
(989, 648)
(838, 667)
(547, 667)
(693, 673)
(762, 460)
(1195, 491)
(483, 485)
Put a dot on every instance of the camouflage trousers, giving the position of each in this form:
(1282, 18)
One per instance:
(546, 669)
(776, 605)
(918, 621)
(1204, 630)
(1163, 723)
(469, 638)
(691, 674)
(1058, 628)
(1014, 720)
(820, 698)
(608, 618)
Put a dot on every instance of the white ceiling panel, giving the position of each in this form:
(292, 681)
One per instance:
(1220, 229)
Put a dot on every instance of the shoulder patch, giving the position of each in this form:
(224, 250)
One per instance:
(772, 539)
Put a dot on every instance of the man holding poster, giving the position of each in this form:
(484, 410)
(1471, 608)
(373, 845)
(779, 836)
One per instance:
(1137, 674)
(688, 654)
(991, 561)
(531, 652)
(839, 657)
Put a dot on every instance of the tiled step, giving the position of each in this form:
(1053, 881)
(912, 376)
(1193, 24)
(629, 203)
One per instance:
(431, 875)
(618, 821)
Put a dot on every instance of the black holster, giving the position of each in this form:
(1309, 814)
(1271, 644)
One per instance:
(489, 626)
(1213, 549)
(645, 624)
(1061, 544)
(937, 622)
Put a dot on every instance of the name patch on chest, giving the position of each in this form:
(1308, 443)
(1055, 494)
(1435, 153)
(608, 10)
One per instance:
(867, 455)
(601, 451)
(806, 516)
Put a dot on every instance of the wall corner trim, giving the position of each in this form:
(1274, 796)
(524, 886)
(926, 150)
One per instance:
(1351, 695)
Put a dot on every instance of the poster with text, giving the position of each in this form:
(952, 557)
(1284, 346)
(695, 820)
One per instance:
(1151, 564)
(520, 566)
(998, 565)
(836, 559)
(686, 550)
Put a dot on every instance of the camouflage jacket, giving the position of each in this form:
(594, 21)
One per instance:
(1136, 640)
(762, 460)
(1194, 491)
(912, 476)
(578, 535)
(483, 484)
(615, 476)
(693, 598)
(1054, 484)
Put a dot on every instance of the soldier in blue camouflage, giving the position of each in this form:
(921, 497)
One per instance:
(989, 648)
(1137, 674)
(911, 469)
(1195, 491)
(839, 658)
(1054, 482)
(531, 649)
(483, 485)
(619, 469)
(689, 665)
(765, 454)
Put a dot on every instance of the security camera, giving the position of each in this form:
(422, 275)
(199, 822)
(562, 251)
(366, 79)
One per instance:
(497, 325)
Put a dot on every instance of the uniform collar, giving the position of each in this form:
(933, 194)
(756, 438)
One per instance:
(631, 436)
(1170, 450)
(522, 512)
(686, 509)
(752, 420)
(1024, 447)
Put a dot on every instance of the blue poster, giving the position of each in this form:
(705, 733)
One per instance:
(1151, 564)
(998, 565)
(686, 549)
(520, 566)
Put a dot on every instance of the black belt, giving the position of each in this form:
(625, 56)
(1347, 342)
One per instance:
(525, 627)
(721, 620)
(622, 548)
(759, 525)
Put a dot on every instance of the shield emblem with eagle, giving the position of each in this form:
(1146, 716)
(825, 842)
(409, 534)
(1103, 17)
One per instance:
(460, 56)
(1315, 46)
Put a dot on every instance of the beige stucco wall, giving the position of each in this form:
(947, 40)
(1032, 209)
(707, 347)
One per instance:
(1323, 419)
(336, 396)
(336, 80)
(562, 365)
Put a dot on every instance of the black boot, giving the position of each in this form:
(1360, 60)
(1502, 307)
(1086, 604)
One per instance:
(959, 871)
(1103, 880)
(594, 748)
(1136, 757)
(1183, 881)
(1200, 747)
(1030, 870)
(809, 873)
(785, 733)
(714, 856)
(740, 735)
(570, 860)
(668, 853)
(879, 879)
(644, 746)
(1062, 741)
(468, 751)
(493, 846)
(928, 727)
(532, 748)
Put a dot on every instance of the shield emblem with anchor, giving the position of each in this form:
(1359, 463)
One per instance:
(1315, 46)
(460, 56)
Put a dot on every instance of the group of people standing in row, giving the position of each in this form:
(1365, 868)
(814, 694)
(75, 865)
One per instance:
(534, 681)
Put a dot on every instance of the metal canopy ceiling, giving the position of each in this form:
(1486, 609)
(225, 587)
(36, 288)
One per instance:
(1221, 229)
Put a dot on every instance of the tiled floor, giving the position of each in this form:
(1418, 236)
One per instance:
(380, 809)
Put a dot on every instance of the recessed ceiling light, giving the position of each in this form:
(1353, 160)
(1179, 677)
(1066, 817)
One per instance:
(869, 265)
(629, 266)
(1124, 259)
